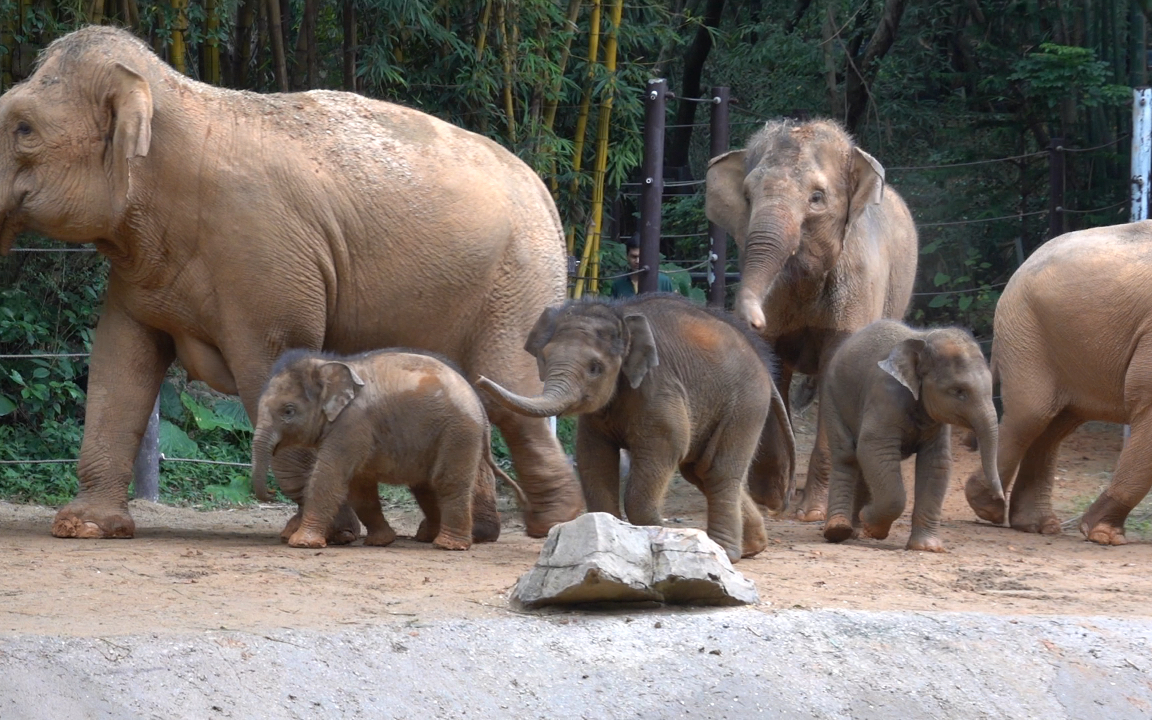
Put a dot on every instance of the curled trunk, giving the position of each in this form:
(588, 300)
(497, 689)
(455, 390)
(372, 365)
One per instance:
(987, 437)
(556, 399)
(772, 239)
(264, 443)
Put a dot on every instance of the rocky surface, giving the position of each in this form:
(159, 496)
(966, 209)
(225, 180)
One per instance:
(598, 558)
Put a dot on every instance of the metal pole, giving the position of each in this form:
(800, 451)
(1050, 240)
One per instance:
(1141, 164)
(718, 239)
(652, 193)
(146, 469)
(1055, 187)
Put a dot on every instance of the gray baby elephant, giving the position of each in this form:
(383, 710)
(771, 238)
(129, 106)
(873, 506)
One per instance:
(891, 391)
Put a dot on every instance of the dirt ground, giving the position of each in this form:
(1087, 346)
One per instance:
(188, 570)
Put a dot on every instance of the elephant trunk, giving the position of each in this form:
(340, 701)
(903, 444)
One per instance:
(264, 442)
(558, 396)
(773, 237)
(987, 438)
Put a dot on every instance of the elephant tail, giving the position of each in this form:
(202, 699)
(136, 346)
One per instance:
(499, 472)
(780, 413)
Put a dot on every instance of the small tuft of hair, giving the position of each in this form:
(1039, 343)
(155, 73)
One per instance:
(786, 134)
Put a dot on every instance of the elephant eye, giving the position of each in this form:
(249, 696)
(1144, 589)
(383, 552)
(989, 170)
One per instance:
(23, 128)
(816, 198)
(288, 412)
(595, 368)
(959, 393)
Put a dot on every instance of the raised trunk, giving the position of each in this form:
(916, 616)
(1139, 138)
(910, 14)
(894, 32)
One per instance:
(264, 442)
(558, 396)
(772, 239)
(987, 438)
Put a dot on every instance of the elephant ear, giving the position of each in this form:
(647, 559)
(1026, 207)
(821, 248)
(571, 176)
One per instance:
(642, 355)
(724, 200)
(541, 333)
(867, 184)
(903, 363)
(338, 383)
(129, 99)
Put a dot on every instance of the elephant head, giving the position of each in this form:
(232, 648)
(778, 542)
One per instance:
(791, 196)
(72, 136)
(948, 376)
(582, 350)
(304, 396)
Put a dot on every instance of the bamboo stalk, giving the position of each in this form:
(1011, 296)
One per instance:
(275, 34)
(602, 145)
(553, 103)
(96, 13)
(177, 47)
(506, 57)
(211, 44)
(131, 14)
(582, 122)
(482, 32)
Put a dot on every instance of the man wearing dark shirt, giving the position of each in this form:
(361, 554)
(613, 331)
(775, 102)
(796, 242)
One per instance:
(629, 285)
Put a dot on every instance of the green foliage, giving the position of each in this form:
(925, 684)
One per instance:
(1058, 73)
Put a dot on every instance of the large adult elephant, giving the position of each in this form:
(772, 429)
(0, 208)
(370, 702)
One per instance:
(825, 249)
(1072, 342)
(238, 225)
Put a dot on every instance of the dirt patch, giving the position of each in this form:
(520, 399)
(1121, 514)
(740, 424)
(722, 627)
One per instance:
(191, 570)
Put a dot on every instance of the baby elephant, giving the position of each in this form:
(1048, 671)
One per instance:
(891, 391)
(391, 416)
(676, 385)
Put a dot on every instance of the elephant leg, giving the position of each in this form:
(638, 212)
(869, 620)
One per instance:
(933, 468)
(430, 506)
(325, 497)
(812, 507)
(599, 462)
(454, 500)
(754, 538)
(485, 516)
(1030, 506)
(293, 468)
(1103, 523)
(125, 371)
(844, 482)
(879, 460)
(364, 498)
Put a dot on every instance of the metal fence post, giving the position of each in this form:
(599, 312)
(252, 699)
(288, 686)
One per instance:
(718, 239)
(146, 469)
(1141, 164)
(1055, 187)
(652, 190)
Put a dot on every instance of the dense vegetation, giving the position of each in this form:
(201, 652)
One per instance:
(942, 84)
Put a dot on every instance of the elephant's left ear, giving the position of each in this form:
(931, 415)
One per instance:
(338, 383)
(642, 355)
(867, 177)
(129, 99)
(903, 364)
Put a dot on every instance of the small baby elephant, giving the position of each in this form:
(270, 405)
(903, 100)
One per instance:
(676, 385)
(400, 417)
(891, 391)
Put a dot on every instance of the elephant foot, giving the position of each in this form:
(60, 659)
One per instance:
(1103, 524)
(810, 514)
(307, 538)
(81, 519)
(427, 531)
(876, 532)
(380, 538)
(291, 526)
(1045, 524)
(343, 530)
(485, 529)
(451, 542)
(565, 503)
(814, 505)
(983, 503)
(838, 529)
(755, 540)
(925, 543)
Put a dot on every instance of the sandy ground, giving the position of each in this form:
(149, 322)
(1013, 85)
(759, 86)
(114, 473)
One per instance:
(226, 570)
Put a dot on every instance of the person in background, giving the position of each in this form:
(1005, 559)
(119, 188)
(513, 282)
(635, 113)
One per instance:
(629, 285)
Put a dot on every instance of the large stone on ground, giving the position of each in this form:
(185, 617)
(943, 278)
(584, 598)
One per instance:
(598, 558)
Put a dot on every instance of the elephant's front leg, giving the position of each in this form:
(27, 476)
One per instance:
(879, 459)
(814, 505)
(598, 461)
(125, 371)
(325, 495)
(293, 468)
(933, 468)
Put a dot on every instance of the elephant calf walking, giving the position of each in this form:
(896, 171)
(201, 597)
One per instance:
(676, 385)
(396, 417)
(891, 391)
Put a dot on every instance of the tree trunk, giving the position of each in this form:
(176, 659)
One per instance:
(210, 49)
(349, 20)
(835, 106)
(177, 47)
(275, 34)
(861, 72)
(676, 150)
(245, 20)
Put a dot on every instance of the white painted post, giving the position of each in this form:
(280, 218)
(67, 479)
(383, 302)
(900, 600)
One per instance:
(1141, 163)
(146, 469)
(552, 425)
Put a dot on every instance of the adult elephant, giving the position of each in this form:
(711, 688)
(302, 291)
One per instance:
(825, 249)
(1072, 342)
(238, 225)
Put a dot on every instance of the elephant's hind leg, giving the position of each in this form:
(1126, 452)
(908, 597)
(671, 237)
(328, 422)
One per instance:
(1030, 508)
(364, 497)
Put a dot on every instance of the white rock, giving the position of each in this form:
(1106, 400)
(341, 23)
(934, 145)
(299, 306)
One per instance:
(599, 558)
